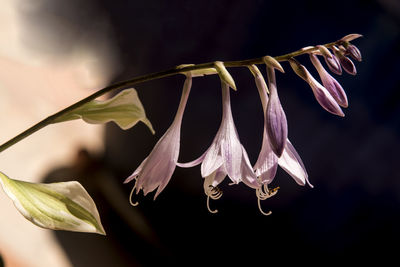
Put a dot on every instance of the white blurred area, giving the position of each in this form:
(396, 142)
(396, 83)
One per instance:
(46, 64)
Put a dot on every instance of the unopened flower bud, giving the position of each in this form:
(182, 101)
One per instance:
(333, 64)
(354, 52)
(346, 63)
(322, 95)
(276, 122)
(333, 87)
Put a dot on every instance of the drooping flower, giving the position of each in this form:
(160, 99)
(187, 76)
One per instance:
(225, 156)
(156, 170)
(330, 83)
(322, 95)
(267, 162)
(275, 116)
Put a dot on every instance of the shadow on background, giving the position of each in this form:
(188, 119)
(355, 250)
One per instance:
(353, 211)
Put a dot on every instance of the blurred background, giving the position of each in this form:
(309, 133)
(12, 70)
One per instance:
(56, 52)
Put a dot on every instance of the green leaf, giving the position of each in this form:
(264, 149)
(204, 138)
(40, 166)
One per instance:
(57, 206)
(125, 109)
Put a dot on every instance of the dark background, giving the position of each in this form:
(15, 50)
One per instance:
(352, 213)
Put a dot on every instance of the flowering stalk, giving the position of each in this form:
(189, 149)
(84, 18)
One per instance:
(49, 205)
(203, 68)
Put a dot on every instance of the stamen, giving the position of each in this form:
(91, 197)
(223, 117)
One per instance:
(208, 205)
(213, 193)
(263, 193)
(130, 196)
(259, 207)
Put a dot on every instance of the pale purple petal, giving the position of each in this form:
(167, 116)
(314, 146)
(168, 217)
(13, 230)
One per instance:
(266, 165)
(220, 175)
(161, 162)
(212, 160)
(267, 162)
(231, 149)
(136, 172)
(248, 176)
(193, 162)
(266, 177)
(293, 165)
(156, 170)
(276, 119)
(330, 83)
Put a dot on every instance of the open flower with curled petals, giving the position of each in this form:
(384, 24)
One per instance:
(156, 170)
(324, 98)
(267, 162)
(226, 156)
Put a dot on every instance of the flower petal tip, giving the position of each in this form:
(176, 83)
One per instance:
(127, 180)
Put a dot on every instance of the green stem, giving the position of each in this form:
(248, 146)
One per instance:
(145, 78)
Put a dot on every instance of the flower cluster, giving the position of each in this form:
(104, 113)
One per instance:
(226, 156)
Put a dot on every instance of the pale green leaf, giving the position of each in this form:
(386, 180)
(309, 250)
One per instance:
(125, 109)
(57, 206)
